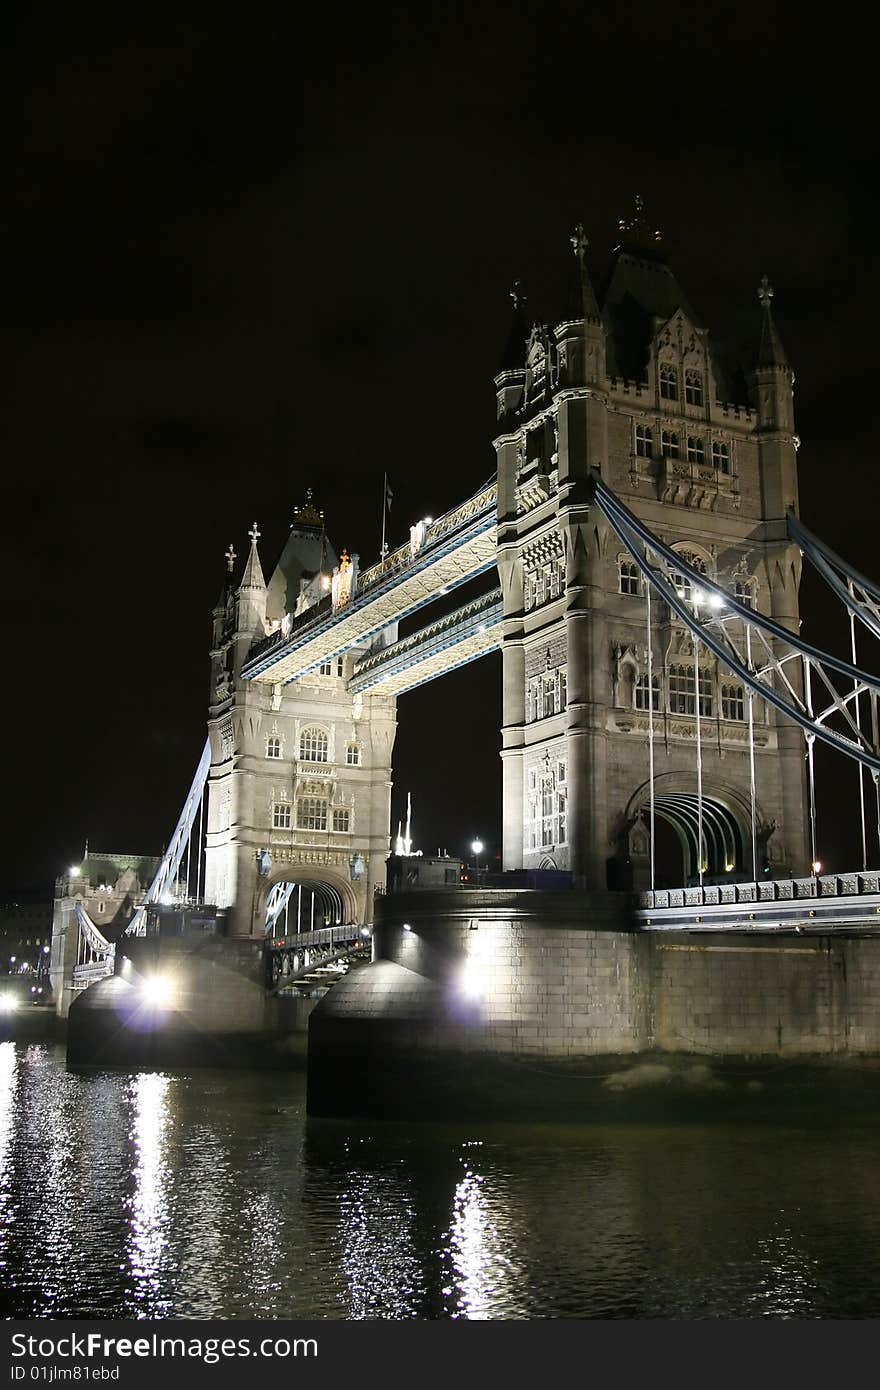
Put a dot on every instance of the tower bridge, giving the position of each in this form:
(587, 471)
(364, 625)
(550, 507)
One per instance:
(660, 708)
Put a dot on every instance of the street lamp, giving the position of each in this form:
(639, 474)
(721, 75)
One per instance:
(477, 849)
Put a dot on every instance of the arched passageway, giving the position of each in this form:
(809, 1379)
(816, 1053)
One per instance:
(294, 906)
(678, 852)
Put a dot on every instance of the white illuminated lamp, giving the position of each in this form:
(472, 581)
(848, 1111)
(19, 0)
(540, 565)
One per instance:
(8, 1003)
(157, 991)
(407, 927)
(817, 866)
(428, 520)
(75, 871)
(715, 601)
(45, 950)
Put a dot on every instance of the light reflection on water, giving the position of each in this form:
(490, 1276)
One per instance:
(210, 1195)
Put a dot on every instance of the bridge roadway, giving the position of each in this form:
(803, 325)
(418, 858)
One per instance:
(454, 640)
(453, 549)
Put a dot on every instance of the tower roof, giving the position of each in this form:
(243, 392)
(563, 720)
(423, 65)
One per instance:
(253, 570)
(771, 353)
(581, 295)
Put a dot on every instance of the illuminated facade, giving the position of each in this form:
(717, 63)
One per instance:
(704, 452)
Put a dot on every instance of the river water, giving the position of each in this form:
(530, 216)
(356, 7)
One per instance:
(208, 1194)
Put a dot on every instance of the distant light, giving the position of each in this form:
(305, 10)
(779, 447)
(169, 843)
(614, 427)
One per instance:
(75, 871)
(8, 1003)
(477, 846)
(428, 520)
(407, 927)
(817, 866)
(12, 960)
(167, 899)
(325, 582)
(33, 989)
(715, 601)
(157, 990)
(45, 950)
(365, 931)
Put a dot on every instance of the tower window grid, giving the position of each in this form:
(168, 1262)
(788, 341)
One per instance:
(628, 578)
(644, 442)
(273, 746)
(544, 582)
(682, 687)
(668, 381)
(311, 813)
(546, 821)
(693, 387)
(281, 815)
(313, 746)
(733, 704)
(546, 694)
(341, 821)
(681, 582)
(640, 693)
(696, 451)
(669, 444)
(721, 455)
(353, 755)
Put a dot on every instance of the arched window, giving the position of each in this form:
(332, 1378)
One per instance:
(641, 693)
(341, 822)
(627, 577)
(668, 381)
(353, 755)
(683, 691)
(693, 387)
(281, 815)
(325, 668)
(313, 746)
(644, 442)
(311, 813)
(733, 704)
(273, 746)
(696, 451)
(744, 592)
(682, 583)
(669, 444)
(721, 455)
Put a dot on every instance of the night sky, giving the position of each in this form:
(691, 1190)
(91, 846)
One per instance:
(244, 256)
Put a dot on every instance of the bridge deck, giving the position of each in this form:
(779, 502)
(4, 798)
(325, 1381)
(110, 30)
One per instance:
(468, 633)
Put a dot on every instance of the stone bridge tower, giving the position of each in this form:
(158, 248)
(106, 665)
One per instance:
(299, 788)
(704, 451)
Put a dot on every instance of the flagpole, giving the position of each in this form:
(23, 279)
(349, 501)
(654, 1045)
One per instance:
(384, 510)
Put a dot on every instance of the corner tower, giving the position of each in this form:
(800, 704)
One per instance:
(299, 788)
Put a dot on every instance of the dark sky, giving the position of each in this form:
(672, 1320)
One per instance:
(246, 254)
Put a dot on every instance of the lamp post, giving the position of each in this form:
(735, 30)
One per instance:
(477, 849)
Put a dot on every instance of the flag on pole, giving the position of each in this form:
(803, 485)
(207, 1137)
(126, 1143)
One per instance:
(389, 495)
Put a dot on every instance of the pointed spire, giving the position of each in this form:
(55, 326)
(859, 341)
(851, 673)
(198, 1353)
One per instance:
(637, 234)
(253, 570)
(514, 355)
(582, 299)
(771, 353)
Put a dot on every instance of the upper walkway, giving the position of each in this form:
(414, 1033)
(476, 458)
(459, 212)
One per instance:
(442, 555)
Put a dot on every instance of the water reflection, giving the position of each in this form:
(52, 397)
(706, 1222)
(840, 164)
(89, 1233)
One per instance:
(149, 1207)
(481, 1272)
(210, 1195)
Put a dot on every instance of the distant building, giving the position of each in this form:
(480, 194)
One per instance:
(110, 887)
(408, 873)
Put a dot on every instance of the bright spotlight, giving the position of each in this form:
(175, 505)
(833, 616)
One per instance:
(477, 846)
(715, 601)
(8, 1003)
(817, 866)
(157, 990)
(473, 979)
(407, 927)
(75, 871)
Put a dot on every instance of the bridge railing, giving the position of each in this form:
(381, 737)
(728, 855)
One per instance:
(324, 936)
(765, 891)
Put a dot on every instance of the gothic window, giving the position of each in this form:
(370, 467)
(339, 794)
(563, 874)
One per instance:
(353, 755)
(628, 577)
(311, 813)
(546, 695)
(744, 592)
(545, 581)
(733, 705)
(563, 689)
(273, 746)
(340, 665)
(549, 694)
(693, 386)
(641, 693)
(681, 582)
(341, 821)
(668, 381)
(669, 444)
(325, 668)
(644, 442)
(281, 815)
(313, 746)
(721, 455)
(696, 451)
(683, 691)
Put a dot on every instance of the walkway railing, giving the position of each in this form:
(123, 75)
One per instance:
(766, 891)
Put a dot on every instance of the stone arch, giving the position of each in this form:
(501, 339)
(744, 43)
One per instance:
(334, 893)
(726, 827)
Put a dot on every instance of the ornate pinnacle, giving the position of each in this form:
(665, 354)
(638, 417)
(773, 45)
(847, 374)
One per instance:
(579, 242)
(637, 226)
(765, 292)
(231, 558)
(254, 533)
(516, 294)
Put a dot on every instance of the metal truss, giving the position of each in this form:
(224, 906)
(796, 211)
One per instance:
(858, 594)
(818, 691)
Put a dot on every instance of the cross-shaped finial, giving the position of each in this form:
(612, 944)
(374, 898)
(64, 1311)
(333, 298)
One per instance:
(308, 496)
(517, 295)
(579, 241)
(765, 292)
(254, 533)
(231, 558)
